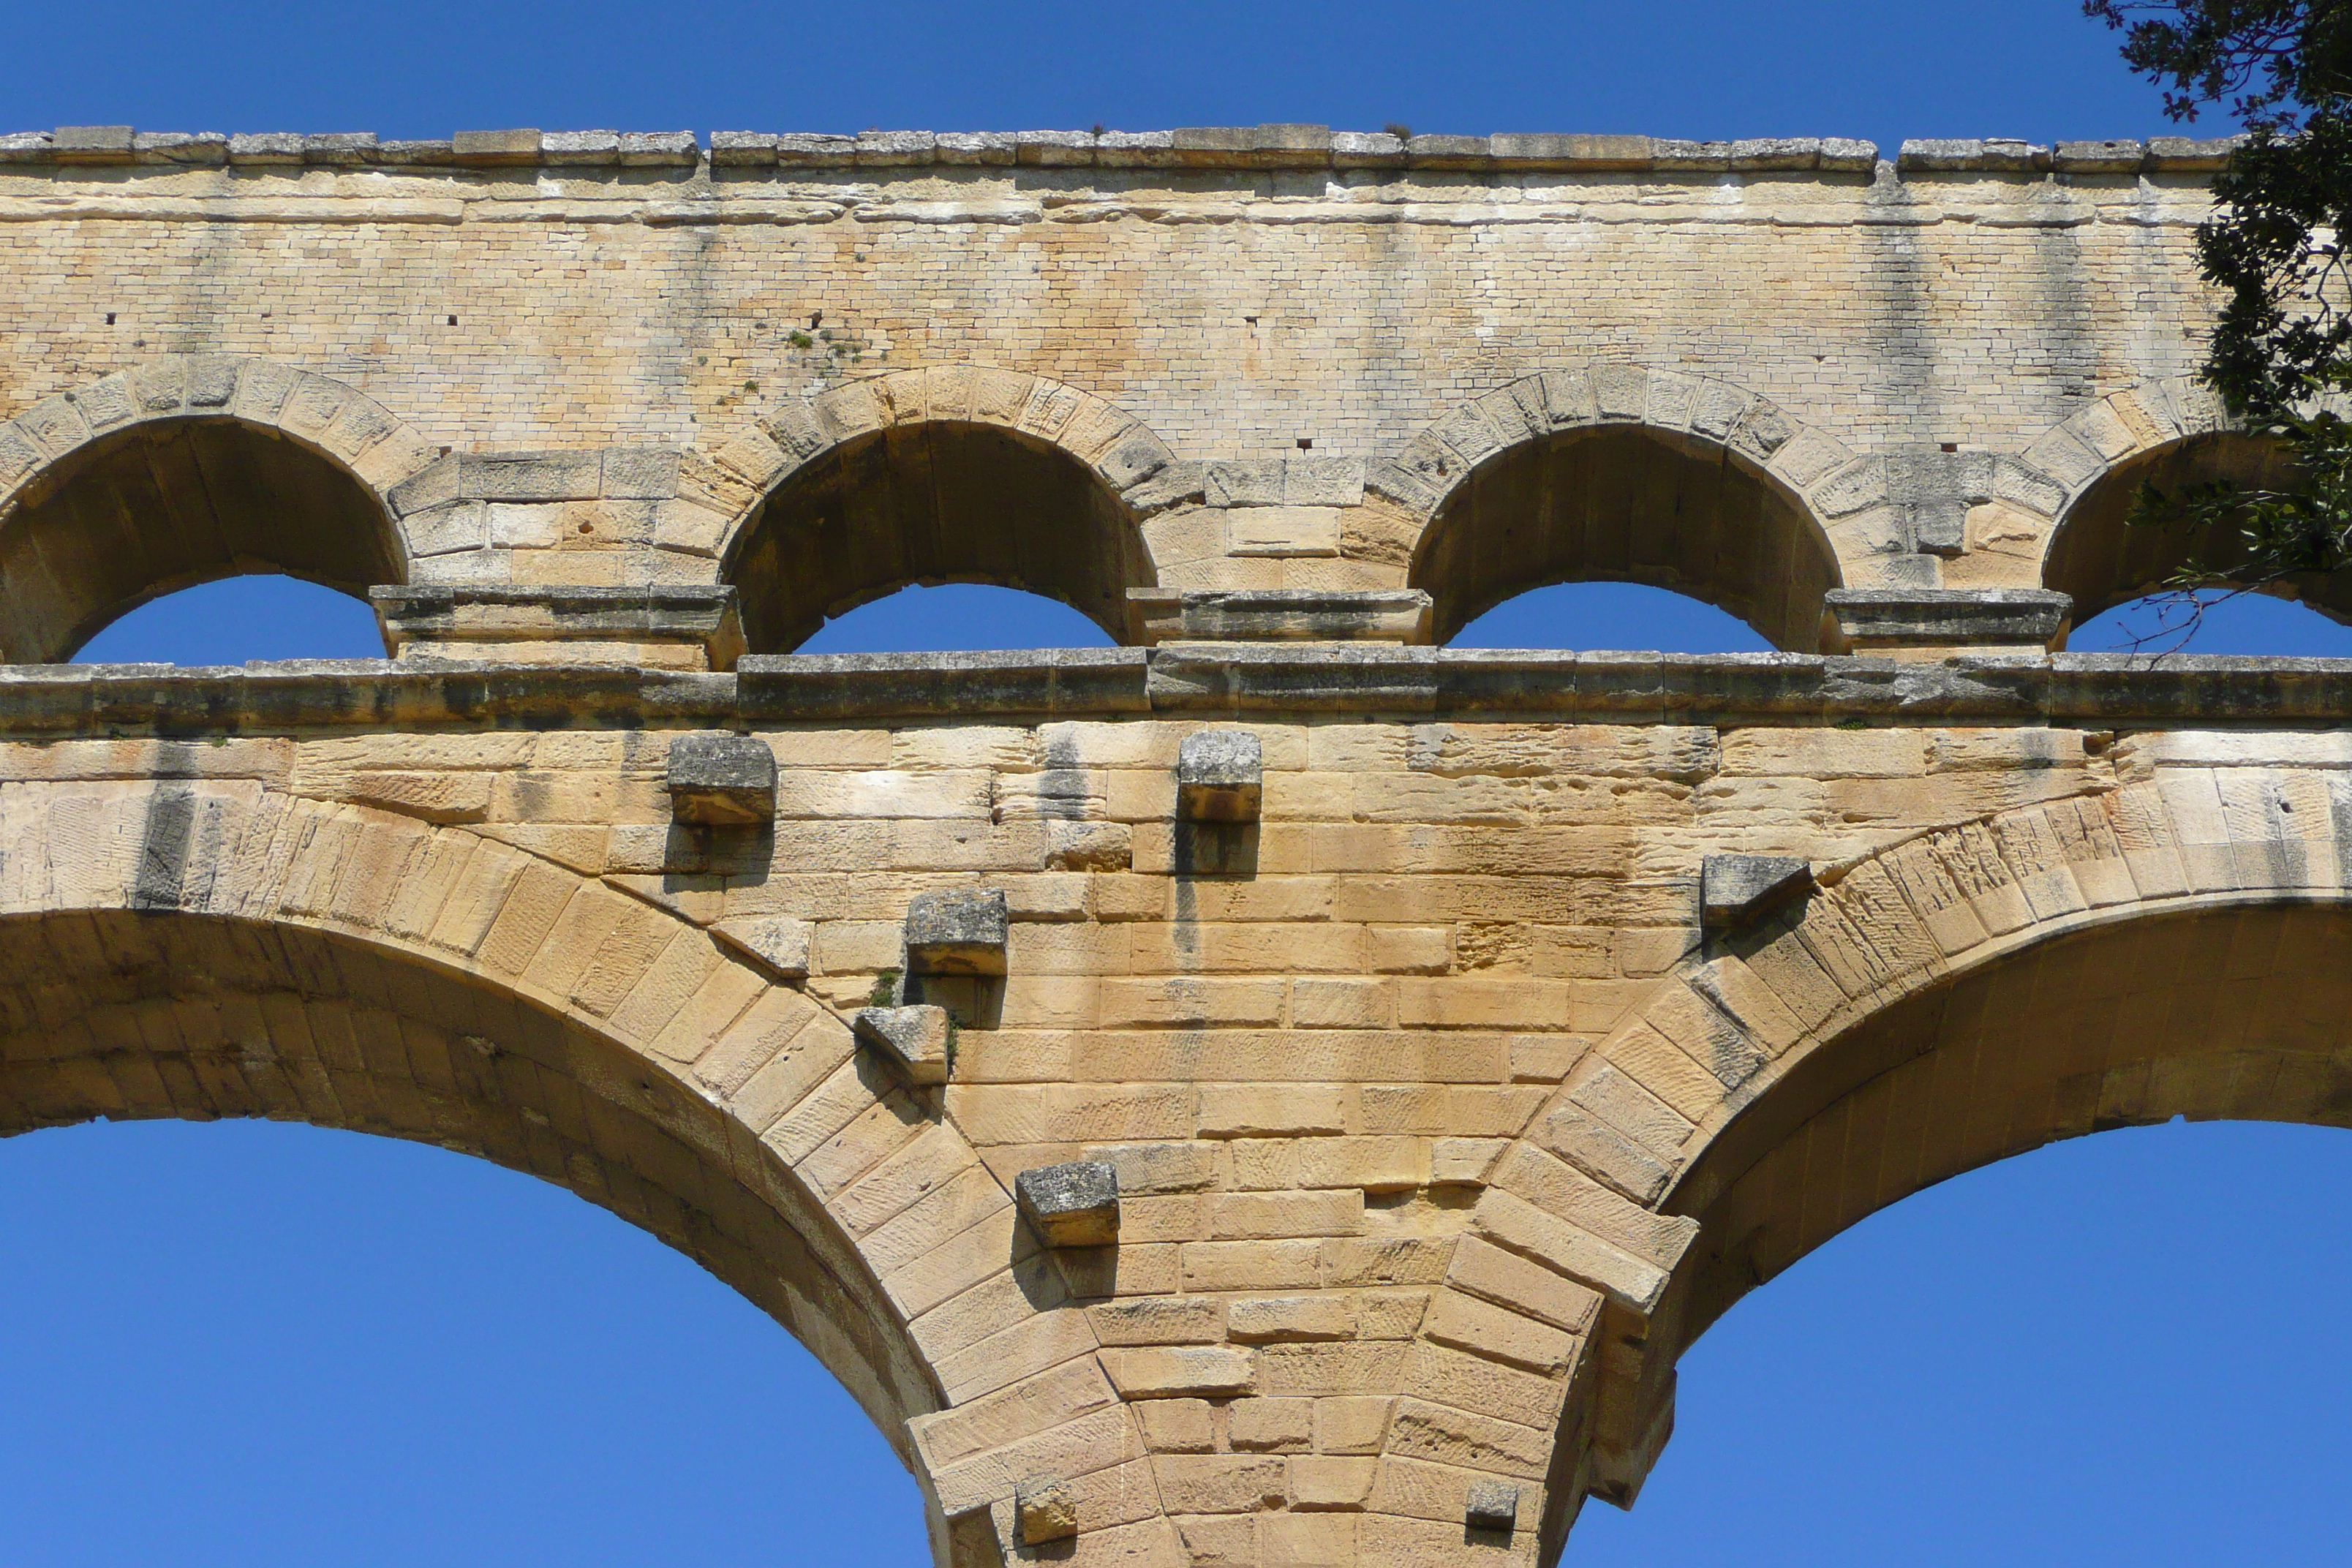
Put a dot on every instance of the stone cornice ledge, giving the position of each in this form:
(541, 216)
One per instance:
(2102, 690)
(1232, 147)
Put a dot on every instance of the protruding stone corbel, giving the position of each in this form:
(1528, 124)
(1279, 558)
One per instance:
(718, 780)
(668, 627)
(1493, 1505)
(1044, 1509)
(1074, 1204)
(1277, 615)
(956, 932)
(777, 942)
(915, 1041)
(1736, 888)
(1935, 623)
(1220, 776)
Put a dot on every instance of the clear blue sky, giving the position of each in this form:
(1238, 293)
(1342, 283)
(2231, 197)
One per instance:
(264, 1345)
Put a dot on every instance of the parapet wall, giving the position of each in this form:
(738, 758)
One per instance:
(1106, 367)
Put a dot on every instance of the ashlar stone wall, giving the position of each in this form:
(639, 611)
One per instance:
(1248, 361)
(1528, 1013)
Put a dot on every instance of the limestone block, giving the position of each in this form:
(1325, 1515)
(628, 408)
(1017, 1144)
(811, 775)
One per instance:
(441, 797)
(1160, 1321)
(496, 146)
(1864, 619)
(1492, 1505)
(1351, 1423)
(1173, 1372)
(957, 932)
(1222, 1483)
(778, 943)
(917, 1042)
(1321, 1482)
(1177, 1425)
(1220, 776)
(1735, 888)
(1278, 615)
(1284, 532)
(1297, 1318)
(722, 780)
(1279, 1425)
(1047, 1511)
(1072, 1205)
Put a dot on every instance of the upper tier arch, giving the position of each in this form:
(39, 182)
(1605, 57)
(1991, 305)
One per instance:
(2172, 434)
(1620, 471)
(2084, 475)
(187, 469)
(952, 473)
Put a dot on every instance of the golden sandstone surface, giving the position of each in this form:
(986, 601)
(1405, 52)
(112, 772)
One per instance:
(1276, 1092)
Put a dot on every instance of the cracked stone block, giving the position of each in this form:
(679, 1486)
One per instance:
(1220, 776)
(721, 781)
(1493, 1505)
(956, 932)
(1045, 1511)
(1734, 889)
(1074, 1204)
(913, 1040)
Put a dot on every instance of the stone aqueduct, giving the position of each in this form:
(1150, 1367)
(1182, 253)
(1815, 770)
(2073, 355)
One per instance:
(1462, 1047)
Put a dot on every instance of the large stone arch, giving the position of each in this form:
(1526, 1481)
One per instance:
(1738, 1116)
(202, 947)
(185, 468)
(1623, 472)
(945, 474)
(2173, 434)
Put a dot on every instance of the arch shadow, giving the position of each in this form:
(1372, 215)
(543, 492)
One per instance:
(932, 503)
(183, 471)
(952, 474)
(1618, 473)
(1626, 503)
(2098, 557)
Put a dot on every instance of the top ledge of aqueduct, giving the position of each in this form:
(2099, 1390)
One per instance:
(1205, 148)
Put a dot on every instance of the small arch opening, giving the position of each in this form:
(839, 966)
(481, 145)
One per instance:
(236, 620)
(956, 618)
(2215, 621)
(169, 504)
(1627, 503)
(933, 503)
(1631, 615)
(2099, 558)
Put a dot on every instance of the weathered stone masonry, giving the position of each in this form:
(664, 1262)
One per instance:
(1274, 1092)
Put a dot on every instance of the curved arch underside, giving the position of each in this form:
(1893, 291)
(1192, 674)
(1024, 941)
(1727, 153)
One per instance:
(2099, 558)
(933, 502)
(2242, 1011)
(164, 505)
(1625, 503)
(137, 1014)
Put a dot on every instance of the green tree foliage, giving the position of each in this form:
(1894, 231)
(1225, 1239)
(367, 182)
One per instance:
(2281, 354)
